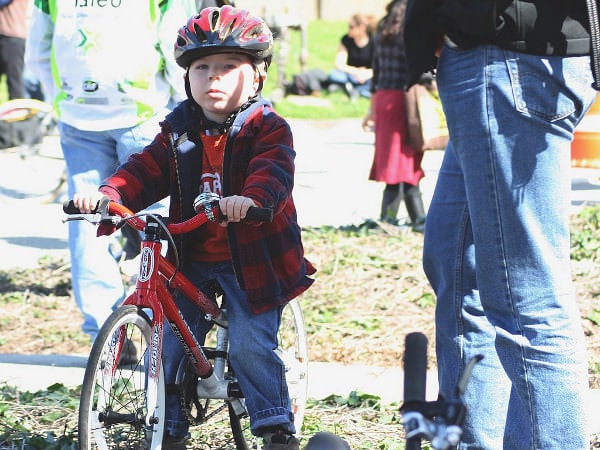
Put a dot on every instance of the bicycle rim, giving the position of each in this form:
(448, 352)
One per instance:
(113, 409)
(293, 351)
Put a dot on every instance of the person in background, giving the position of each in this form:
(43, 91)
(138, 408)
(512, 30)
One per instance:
(110, 73)
(514, 79)
(242, 152)
(13, 34)
(395, 162)
(353, 60)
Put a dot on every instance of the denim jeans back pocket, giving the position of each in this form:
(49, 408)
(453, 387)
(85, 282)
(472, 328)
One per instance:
(538, 91)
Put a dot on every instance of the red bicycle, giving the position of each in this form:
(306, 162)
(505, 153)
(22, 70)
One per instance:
(122, 403)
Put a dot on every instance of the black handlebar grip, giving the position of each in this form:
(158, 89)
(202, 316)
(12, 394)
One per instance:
(415, 375)
(415, 366)
(259, 214)
(70, 208)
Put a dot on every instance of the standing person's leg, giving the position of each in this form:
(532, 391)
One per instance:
(390, 203)
(97, 285)
(14, 49)
(462, 330)
(414, 205)
(511, 127)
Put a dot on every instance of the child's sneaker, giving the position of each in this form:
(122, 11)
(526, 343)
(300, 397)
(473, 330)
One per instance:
(174, 443)
(280, 440)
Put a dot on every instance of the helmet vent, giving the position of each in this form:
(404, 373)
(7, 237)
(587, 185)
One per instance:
(214, 21)
(199, 32)
(227, 30)
(256, 32)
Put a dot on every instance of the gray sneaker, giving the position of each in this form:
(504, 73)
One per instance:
(280, 440)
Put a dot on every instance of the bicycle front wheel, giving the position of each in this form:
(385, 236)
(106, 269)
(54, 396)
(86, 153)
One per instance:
(120, 407)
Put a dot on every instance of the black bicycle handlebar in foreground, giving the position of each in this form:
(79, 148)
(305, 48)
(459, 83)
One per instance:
(440, 421)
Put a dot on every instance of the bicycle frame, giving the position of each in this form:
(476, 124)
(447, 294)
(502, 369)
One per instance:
(151, 292)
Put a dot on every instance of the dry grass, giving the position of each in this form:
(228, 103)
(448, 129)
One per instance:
(369, 292)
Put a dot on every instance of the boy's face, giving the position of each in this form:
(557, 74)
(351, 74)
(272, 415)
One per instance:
(221, 83)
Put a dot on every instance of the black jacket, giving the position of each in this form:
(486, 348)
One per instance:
(541, 27)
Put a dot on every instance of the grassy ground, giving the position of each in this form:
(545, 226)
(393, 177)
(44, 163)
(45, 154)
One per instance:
(369, 293)
(323, 40)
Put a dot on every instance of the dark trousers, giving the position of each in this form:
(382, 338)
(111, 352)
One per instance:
(12, 56)
(393, 194)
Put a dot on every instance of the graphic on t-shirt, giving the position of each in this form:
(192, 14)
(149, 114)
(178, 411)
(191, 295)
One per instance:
(211, 183)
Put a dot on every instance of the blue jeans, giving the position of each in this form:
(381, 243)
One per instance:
(252, 339)
(497, 247)
(90, 157)
(337, 76)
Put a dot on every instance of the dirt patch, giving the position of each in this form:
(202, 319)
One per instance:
(370, 292)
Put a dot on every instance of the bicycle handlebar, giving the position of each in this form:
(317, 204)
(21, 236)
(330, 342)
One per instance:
(113, 213)
(440, 421)
(415, 376)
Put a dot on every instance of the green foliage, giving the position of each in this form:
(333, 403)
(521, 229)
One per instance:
(427, 300)
(44, 419)
(594, 316)
(322, 41)
(585, 235)
(354, 400)
(345, 416)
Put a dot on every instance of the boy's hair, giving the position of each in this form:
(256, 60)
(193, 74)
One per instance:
(226, 29)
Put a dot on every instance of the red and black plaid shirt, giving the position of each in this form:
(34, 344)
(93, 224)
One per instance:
(268, 258)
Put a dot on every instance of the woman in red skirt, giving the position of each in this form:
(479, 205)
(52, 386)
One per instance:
(395, 162)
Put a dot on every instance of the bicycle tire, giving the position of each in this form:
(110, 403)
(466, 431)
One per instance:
(113, 406)
(415, 375)
(293, 350)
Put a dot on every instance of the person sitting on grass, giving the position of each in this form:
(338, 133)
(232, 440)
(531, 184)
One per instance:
(353, 59)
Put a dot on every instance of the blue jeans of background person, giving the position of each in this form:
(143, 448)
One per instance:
(90, 157)
(497, 247)
(252, 341)
(340, 77)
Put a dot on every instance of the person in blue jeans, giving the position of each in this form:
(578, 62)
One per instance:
(109, 96)
(497, 250)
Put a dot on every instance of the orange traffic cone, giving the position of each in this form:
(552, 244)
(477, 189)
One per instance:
(585, 148)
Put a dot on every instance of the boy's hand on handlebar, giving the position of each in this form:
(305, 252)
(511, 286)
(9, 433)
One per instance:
(235, 208)
(87, 202)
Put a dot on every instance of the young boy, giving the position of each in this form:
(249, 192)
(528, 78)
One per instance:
(227, 140)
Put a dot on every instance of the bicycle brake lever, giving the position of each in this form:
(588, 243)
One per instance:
(94, 218)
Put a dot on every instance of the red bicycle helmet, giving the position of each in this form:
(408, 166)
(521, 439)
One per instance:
(215, 30)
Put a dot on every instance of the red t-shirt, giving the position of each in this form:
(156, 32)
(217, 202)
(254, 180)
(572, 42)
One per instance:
(213, 246)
